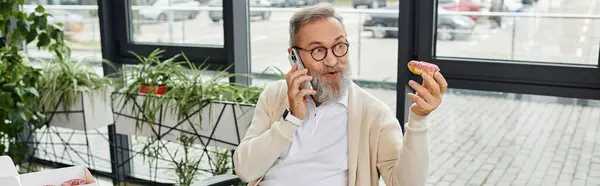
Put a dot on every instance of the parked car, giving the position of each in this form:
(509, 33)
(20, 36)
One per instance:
(382, 24)
(369, 3)
(217, 15)
(156, 13)
(450, 27)
(462, 6)
(454, 27)
(513, 5)
(296, 3)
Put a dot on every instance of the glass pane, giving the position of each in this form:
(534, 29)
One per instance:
(372, 37)
(162, 161)
(80, 23)
(71, 147)
(494, 138)
(520, 30)
(189, 22)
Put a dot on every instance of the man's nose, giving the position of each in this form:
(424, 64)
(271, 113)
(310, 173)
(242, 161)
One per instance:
(331, 60)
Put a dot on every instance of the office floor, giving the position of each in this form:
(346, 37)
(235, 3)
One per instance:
(483, 138)
(498, 140)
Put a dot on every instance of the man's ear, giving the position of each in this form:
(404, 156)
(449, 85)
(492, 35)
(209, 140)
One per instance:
(289, 50)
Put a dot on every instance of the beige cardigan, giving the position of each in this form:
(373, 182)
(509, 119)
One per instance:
(374, 140)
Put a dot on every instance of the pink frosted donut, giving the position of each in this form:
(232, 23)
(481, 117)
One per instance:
(418, 67)
(73, 182)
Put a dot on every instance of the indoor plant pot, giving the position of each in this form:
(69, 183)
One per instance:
(74, 95)
(143, 115)
(91, 110)
(158, 90)
(220, 124)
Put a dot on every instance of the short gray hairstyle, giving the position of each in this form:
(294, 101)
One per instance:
(309, 14)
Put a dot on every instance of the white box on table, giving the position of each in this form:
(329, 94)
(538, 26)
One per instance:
(8, 172)
(10, 181)
(58, 176)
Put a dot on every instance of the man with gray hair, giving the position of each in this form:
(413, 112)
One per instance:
(336, 133)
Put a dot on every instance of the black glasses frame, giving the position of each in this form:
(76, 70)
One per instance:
(326, 50)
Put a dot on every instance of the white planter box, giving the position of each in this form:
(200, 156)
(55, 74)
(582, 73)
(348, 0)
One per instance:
(130, 120)
(223, 123)
(90, 111)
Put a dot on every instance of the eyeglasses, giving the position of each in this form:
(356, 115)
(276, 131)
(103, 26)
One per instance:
(320, 53)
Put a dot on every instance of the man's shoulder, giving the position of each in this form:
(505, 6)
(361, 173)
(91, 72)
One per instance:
(274, 90)
(276, 87)
(273, 96)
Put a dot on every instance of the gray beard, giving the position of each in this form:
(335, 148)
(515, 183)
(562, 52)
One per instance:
(333, 91)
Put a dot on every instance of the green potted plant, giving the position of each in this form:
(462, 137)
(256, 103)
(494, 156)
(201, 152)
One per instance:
(19, 81)
(153, 74)
(192, 104)
(194, 101)
(138, 103)
(212, 107)
(74, 94)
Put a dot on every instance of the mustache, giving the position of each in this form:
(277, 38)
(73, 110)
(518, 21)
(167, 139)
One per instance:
(328, 69)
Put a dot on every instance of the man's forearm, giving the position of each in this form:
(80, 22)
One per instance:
(258, 152)
(413, 165)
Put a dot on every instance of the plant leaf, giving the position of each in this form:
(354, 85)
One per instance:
(31, 35)
(33, 91)
(44, 40)
(40, 9)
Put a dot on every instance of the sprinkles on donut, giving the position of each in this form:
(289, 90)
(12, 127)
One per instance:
(418, 67)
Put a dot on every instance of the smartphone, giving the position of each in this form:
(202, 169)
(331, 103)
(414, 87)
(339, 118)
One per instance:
(294, 58)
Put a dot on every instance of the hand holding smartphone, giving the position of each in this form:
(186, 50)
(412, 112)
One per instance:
(299, 87)
(294, 59)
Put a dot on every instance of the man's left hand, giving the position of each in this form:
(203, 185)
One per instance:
(429, 95)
